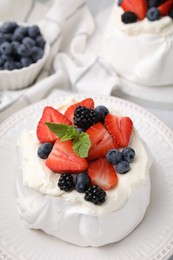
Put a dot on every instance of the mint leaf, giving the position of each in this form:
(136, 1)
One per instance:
(58, 129)
(81, 141)
(82, 144)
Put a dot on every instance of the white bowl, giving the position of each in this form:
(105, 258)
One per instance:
(21, 78)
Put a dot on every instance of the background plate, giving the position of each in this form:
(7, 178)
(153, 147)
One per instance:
(152, 239)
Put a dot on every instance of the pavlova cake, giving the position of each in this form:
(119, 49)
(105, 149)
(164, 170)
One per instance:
(139, 41)
(84, 174)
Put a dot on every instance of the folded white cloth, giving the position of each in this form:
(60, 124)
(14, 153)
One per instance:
(74, 64)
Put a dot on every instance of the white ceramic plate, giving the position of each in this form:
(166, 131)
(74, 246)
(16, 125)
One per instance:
(152, 239)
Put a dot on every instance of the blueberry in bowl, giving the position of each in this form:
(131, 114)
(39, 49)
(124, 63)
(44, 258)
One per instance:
(23, 52)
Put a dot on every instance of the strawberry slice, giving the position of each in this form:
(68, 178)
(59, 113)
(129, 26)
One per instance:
(120, 128)
(50, 114)
(69, 113)
(63, 159)
(101, 141)
(165, 7)
(139, 7)
(103, 174)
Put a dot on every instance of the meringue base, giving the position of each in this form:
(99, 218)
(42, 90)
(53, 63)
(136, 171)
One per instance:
(67, 221)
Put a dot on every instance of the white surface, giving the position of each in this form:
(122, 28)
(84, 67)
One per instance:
(152, 239)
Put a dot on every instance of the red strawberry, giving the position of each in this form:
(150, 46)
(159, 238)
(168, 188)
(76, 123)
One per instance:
(69, 113)
(63, 159)
(101, 141)
(103, 174)
(49, 115)
(120, 128)
(165, 7)
(139, 7)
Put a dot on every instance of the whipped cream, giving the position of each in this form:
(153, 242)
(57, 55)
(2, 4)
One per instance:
(162, 27)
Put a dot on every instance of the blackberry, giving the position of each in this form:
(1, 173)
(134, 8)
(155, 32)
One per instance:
(95, 195)
(66, 182)
(85, 117)
(129, 17)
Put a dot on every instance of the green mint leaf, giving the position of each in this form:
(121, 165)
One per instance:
(58, 129)
(71, 134)
(82, 144)
(81, 141)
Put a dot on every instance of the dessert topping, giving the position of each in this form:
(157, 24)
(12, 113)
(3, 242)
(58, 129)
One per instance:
(66, 182)
(128, 154)
(69, 113)
(85, 117)
(63, 159)
(82, 182)
(129, 17)
(50, 114)
(103, 174)
(44, 150)
(95, 195)
(120, 128)
(136, 6)
(152, 9)
(89, 149)
(101, 141)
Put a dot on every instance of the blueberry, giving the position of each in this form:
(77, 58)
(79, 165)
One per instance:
(114, 156)
(123, 167)
(28, 41)
(102, 111)
(9, 27)
(33, 31)
(19, 33)
(9, 65)
(2, 38)
(15, 45)
(82, 182)
(128, 154)
(26, 61)
(153, 14)
(1, 61)
(6, 48)
(44, 150)
(18, 65)
(40, 41)
(37, 53)
(6, 57)
(8, 37)
(24, 50)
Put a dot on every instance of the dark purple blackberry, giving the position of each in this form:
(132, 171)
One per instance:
(129, 17)
(85, 117)
(66, 182)
(95, 195)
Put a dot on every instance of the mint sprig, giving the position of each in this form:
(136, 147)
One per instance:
(81, 141)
